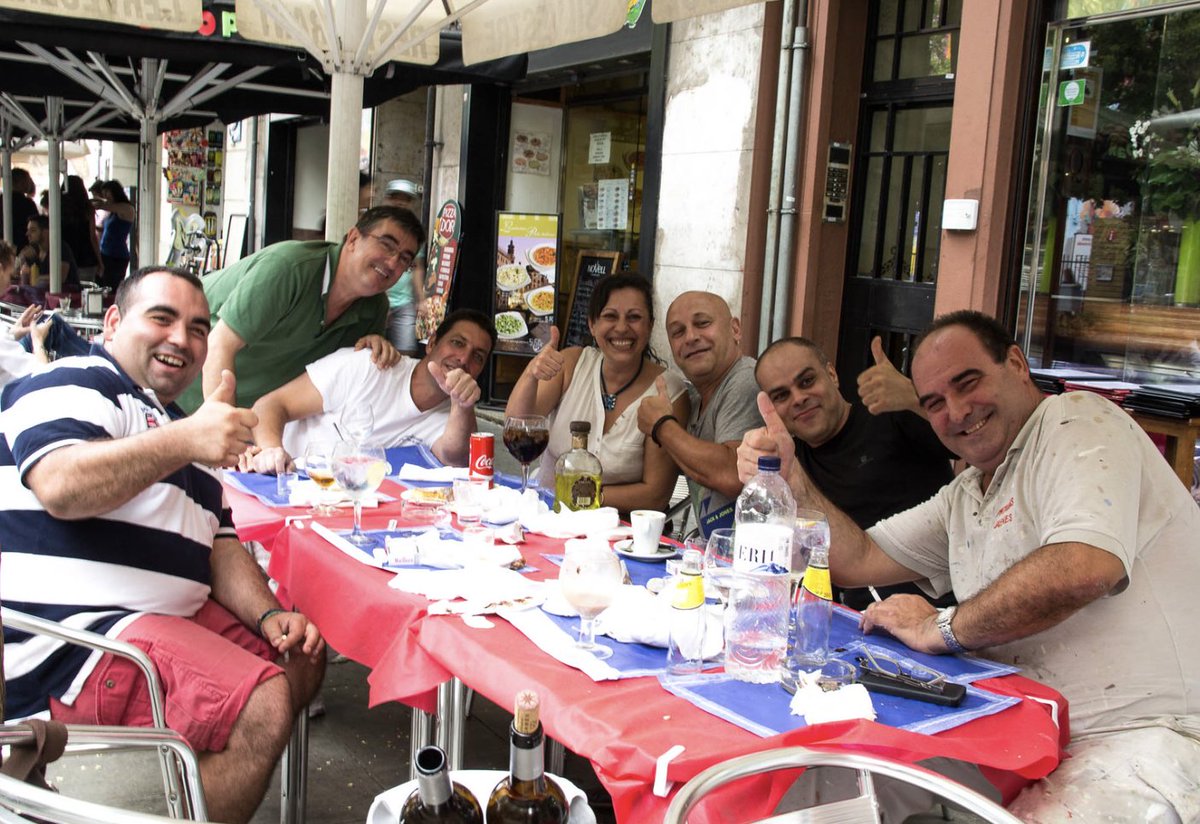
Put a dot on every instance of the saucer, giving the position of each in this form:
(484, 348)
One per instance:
(661, 553)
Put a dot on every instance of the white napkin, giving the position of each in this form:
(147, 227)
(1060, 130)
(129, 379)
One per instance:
(483, 585)
(818, 706)
(567, 524)
(437, 474)
(504, 505)
(307, 493)
(388, 805)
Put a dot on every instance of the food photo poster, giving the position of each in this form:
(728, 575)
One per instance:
(526, 281)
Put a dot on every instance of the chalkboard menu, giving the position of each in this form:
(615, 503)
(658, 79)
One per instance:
(592, 266)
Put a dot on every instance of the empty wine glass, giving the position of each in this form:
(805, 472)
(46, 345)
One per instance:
(359, 470)
(526, 437)
(356, 422)
(718, 561)
(318, 465)
(590, 579)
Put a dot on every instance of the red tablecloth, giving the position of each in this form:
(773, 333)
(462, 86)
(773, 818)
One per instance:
(621, 726)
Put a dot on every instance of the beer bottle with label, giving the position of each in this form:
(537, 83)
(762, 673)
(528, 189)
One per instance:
(577, 473)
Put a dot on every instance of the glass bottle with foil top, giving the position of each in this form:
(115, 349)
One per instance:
(438, 800)
(577, 473)
(526, 795)
(685, 647)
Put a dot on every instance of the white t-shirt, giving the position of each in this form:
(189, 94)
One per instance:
(1080, 470)
(15, 362)
(347, 377)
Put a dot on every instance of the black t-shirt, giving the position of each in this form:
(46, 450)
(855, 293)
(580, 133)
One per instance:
(876, 466)
(23, 209)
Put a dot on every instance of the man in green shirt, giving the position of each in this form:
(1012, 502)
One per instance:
(291, 303)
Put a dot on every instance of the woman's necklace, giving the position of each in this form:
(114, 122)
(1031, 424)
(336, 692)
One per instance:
(610, 401)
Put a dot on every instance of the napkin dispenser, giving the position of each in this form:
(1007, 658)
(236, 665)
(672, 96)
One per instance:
(93, 301)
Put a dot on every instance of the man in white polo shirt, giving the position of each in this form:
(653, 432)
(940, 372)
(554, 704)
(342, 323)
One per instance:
(430, 401)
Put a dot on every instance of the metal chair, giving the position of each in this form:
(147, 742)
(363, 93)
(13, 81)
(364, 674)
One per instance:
(21, 803)
(862, 808)
(294, 764)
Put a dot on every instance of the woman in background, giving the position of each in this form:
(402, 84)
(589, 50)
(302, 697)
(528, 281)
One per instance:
(114, 234)
(79, 229)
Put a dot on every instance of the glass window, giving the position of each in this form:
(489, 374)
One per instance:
(1112, 263)
(926, 39)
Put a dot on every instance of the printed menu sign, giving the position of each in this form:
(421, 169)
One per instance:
(443, 260)
(531, 153)
(525, 294)
(591, 267)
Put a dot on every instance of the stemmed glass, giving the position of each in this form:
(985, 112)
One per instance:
(318, 465)
(359, 469)
(526, 437)
(718, 561)
(590, 579)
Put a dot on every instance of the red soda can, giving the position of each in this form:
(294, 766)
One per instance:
(483, 456)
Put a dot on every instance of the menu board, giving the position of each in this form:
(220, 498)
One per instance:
(186, 161)
(592, 266)
(442, 261)
(525, 292)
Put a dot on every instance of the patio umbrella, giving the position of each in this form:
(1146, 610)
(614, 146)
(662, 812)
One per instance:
(351, 38)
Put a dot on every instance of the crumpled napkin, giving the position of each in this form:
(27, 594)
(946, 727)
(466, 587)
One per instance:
(567, 524)
(484, 588)
(638, 616)
(428, 548)
(818, 706)
(438, 474)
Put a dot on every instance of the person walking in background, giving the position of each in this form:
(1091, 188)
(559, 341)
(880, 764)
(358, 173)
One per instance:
(79, 229)
(23, 206)
(110, 197)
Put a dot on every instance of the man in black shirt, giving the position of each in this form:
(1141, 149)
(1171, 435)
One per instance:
(23, 207)
(870, 466)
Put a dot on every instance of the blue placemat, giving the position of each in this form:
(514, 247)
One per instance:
(763, 709)
(263, 487)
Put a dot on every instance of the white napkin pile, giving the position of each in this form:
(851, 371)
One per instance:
(483, 588)
(638, 616)
(434, 474)
(430, 549)
(567, 524)
(818, 706)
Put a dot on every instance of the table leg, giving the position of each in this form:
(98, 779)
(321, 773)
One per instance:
(556, 756)
(451, 728)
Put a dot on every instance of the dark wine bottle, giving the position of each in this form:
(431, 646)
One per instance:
(526, 795)
(437, 800)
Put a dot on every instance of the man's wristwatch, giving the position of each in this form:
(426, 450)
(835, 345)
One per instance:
(944, 617)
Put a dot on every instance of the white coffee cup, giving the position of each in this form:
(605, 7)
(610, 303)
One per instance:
(647, 529)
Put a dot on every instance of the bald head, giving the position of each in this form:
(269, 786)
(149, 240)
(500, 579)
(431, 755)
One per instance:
(704, 337)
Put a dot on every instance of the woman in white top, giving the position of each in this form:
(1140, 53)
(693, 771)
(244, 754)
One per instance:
(604, 384)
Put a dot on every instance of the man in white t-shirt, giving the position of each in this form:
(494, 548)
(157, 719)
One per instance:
(1071, 547)
(429, 401)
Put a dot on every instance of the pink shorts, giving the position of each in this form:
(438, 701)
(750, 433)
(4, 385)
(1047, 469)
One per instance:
(209, 665)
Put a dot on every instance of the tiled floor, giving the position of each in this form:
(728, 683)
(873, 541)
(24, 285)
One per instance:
(355, 753)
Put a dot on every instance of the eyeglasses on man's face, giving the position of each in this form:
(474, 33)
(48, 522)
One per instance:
(393, 249)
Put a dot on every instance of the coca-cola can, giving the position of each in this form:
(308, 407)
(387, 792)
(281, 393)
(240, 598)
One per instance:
(483, 456)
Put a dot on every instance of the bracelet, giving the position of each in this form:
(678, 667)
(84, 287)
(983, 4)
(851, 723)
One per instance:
(658, 424)
(265, 616)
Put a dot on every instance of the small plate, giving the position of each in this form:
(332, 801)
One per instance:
(541, 301)
(510, 326)
(662, 553)
(543, 257)
(511, 276)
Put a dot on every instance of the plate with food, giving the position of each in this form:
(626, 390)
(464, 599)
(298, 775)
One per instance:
(541, 301)
(511, 276)
(510, 326)
(543, 257)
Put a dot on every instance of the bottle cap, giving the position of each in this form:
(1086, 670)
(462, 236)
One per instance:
(770, 463)
(691, 560)
(583, 427)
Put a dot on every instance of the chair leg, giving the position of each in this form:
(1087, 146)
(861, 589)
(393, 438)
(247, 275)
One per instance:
(178, 803)
(293, 784)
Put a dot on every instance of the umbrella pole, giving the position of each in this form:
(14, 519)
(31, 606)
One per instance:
(54, 157)
(6, 176)
(345, 136)
(149, 172)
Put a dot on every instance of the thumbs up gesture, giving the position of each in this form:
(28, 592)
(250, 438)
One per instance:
(549, 361)
(653, 407)
(221, 430)
(883, 388)
(772, 439)
(458, 384)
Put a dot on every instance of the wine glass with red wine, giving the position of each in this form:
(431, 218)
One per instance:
(526, 437)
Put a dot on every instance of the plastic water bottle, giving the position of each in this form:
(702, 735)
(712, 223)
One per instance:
(764, 519)
(685, 650)
(808, 631)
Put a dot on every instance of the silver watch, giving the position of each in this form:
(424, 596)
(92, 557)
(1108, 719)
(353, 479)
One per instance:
(945, 616)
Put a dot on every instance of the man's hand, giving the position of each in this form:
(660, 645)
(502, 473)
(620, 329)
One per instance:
(222, 430)
(549, 361)
(27, 322)
(883, 388)
(910, 618)
(383, 354)
(458, 384)
(273, 460)
(772, 439)
(653, 407)
(287, 630)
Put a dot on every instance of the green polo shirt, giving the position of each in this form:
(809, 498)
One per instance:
(275, 301)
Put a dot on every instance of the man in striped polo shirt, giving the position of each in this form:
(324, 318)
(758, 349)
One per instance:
(112, 519)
